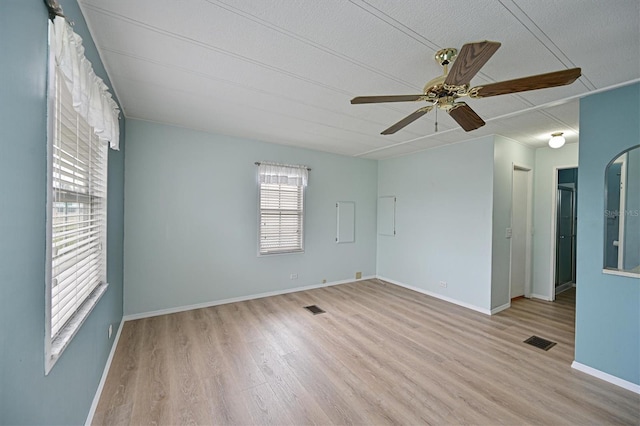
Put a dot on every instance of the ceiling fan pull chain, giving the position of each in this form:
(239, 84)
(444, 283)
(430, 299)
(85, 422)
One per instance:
(436, 120)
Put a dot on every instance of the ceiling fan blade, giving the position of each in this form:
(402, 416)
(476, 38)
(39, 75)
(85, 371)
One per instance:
(534, 82)
(471, 58)
(392, 98)
(466, 117)
(407, 120)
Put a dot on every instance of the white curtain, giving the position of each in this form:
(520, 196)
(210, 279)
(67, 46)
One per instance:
(91, 97)
(283, 174)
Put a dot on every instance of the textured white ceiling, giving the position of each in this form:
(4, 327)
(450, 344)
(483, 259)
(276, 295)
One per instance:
(284, 71)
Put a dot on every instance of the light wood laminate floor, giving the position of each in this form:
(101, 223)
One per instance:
(381, 354)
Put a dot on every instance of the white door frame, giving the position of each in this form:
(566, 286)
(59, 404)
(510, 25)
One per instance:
(554, 210)
(623, 202)
(529, 228)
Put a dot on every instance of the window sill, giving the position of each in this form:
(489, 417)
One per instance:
(621, 273)
(64, 337)
(277, 253)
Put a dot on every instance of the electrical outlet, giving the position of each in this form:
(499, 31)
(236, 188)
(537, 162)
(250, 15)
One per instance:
(110, 330)
(358, 275)
(293, 276)
(442, 283)
(509, 233)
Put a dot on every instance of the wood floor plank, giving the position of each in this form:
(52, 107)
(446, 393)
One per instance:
(333, 394)
(218, 381)
(116, 409)
(370, 393)
(300, 402)
(188, 400)
(461, 360)
(272, 330)
(151, 402)
(234, 351)
(430, 379)
(264, 406)
(334, 399)
(380, 354)
(344, 337)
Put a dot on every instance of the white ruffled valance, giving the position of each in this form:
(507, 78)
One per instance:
(283, 174)
(91, 97)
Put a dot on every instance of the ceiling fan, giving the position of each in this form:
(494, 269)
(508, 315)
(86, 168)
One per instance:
(442, 92)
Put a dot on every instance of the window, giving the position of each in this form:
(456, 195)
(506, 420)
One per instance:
(82, 122)
(78, 217)
(281, 208)
(281, 218)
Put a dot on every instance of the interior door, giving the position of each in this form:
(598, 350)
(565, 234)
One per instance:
(565, 236)
(519, 232)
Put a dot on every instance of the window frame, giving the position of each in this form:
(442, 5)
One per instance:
(54, 345)
(301, 249)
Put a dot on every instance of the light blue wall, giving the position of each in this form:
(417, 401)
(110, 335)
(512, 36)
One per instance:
(544, 190)
(443, 221)
(607, 306)
(507, 153)
(191, 218)
(27, 396)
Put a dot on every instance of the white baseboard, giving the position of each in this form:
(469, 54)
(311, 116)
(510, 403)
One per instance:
(564, 287)
(540, 296)
(236, 299)
(606, 377)
(500, 308)
(438, 296)
(103, 379)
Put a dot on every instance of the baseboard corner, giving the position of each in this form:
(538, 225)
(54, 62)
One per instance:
(500, 308)
(540, 297)
(436, 295)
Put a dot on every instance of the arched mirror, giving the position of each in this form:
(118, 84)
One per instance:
(622, 214)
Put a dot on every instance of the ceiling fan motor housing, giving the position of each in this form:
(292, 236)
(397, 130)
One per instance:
(446, 56)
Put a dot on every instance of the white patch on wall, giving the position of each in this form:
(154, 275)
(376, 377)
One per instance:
(387, 215)
(346, 222)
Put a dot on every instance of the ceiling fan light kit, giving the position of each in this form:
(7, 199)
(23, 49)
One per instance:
(443, 92)
(557, 140)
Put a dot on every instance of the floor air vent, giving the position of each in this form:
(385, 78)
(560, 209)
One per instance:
(314, 309)
(539, 342)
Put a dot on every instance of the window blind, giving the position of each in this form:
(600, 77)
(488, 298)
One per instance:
(281, 208)
(79, 201)
(281, 218)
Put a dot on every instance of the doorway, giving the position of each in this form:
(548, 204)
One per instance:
(520, 233)
(566, 221)
(613, 257)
